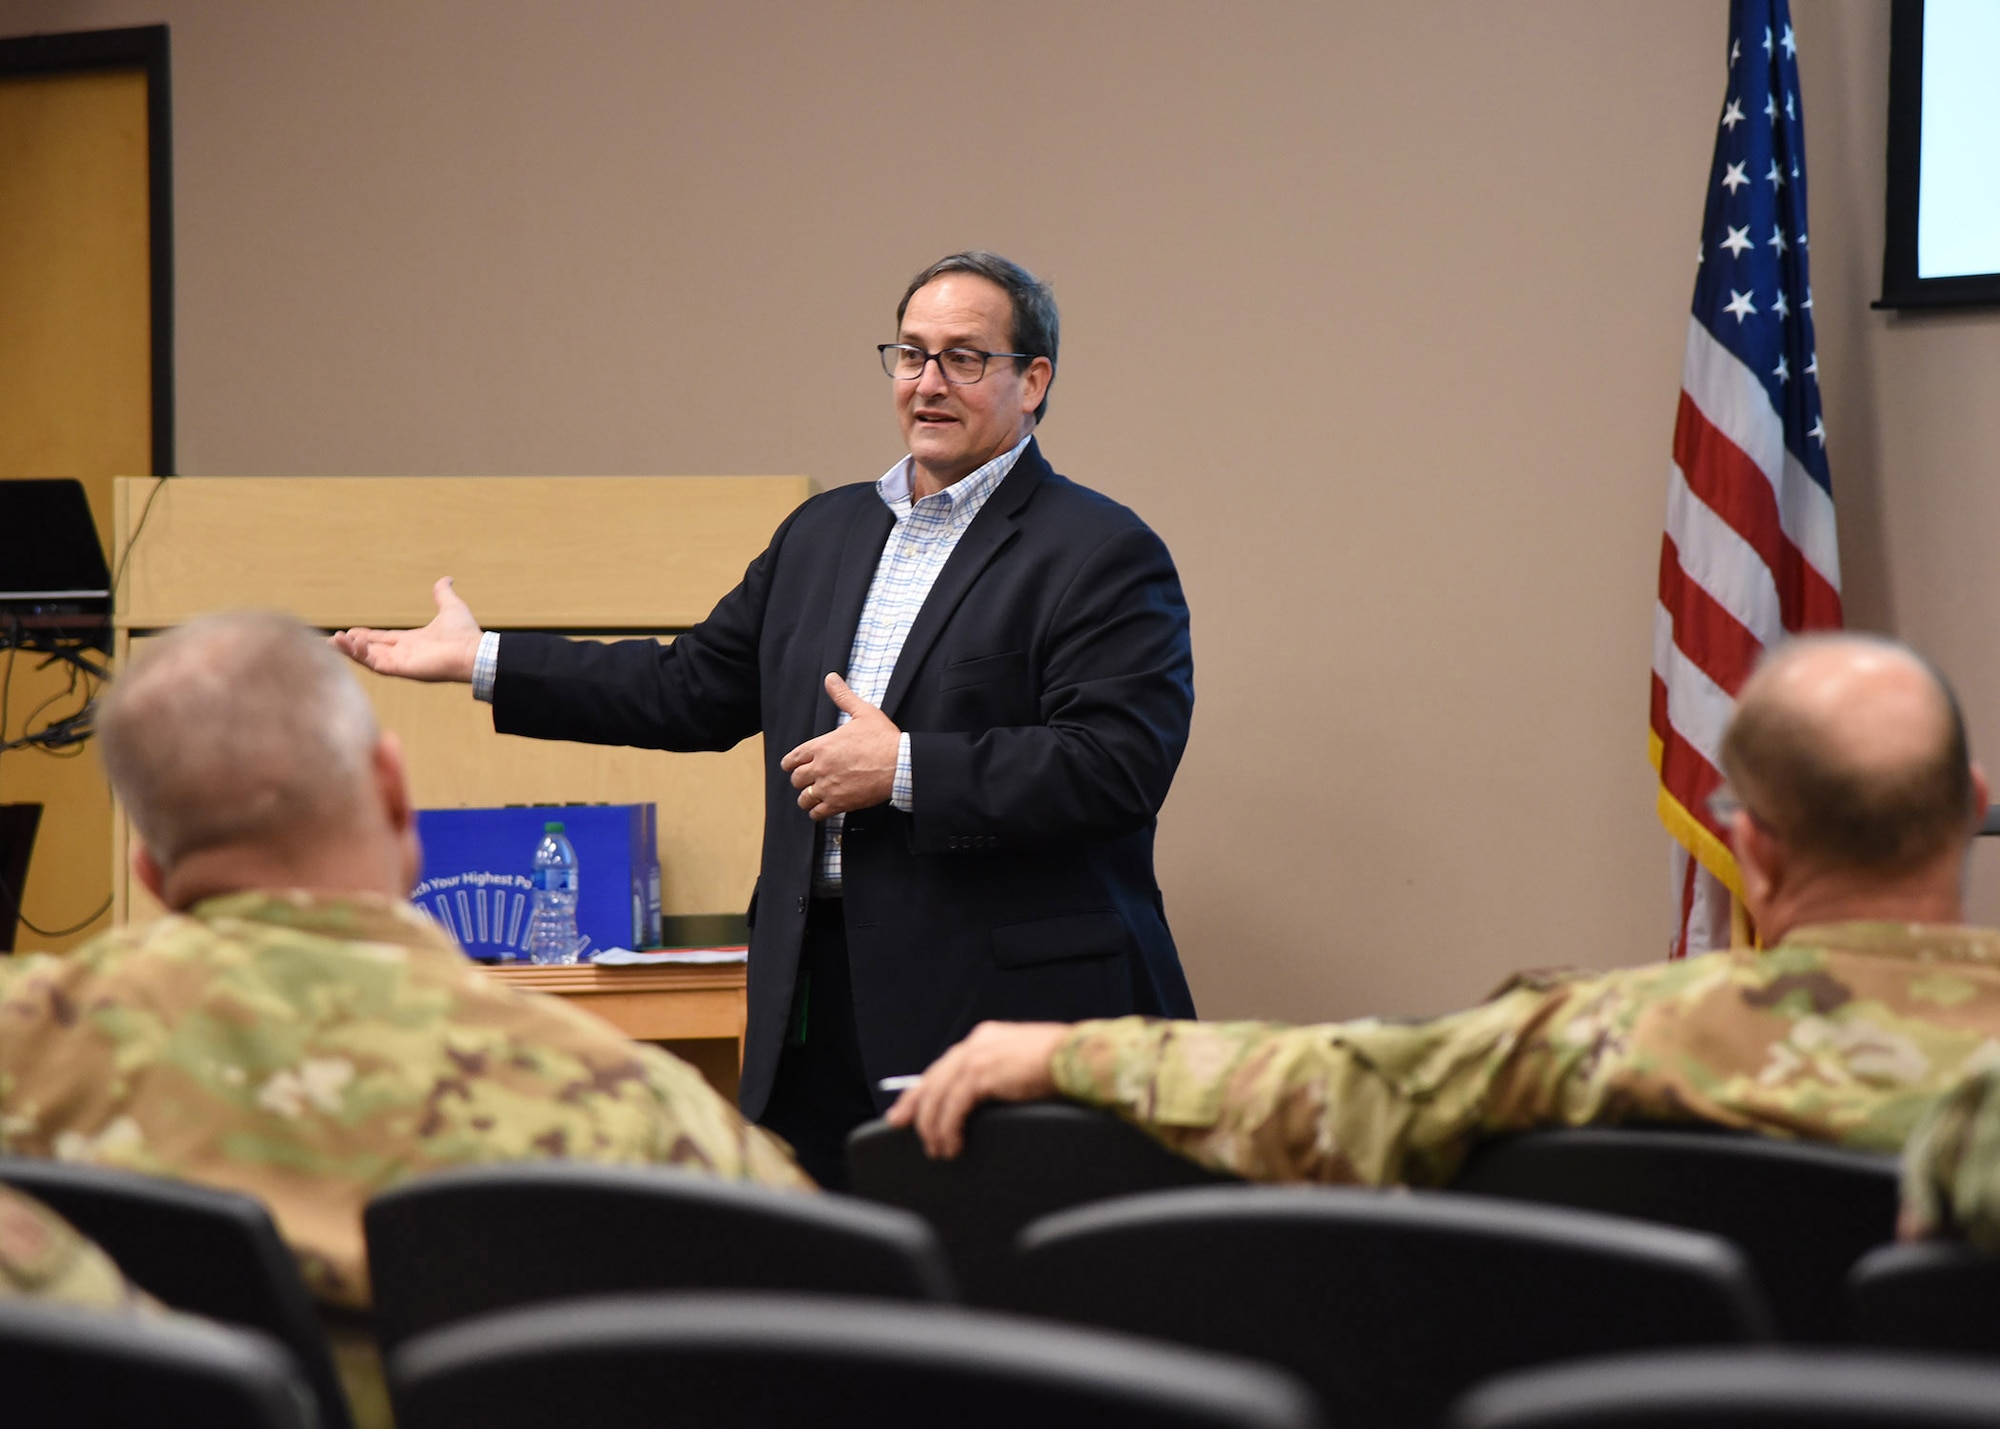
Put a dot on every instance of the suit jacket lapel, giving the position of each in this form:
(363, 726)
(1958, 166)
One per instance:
(860, 552)
(991, 529)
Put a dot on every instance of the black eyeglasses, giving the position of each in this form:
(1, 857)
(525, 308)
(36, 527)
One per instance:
(961, 366)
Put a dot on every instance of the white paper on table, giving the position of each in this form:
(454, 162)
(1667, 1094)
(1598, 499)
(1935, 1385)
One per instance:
(626, 958)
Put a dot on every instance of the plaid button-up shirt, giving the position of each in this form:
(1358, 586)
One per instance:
(924, 536)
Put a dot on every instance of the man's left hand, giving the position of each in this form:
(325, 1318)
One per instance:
(853, 767)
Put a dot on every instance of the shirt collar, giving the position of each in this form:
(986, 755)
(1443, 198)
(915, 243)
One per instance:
(967, 494)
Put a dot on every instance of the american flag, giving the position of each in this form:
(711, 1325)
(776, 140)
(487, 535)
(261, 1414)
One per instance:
(1749, 554)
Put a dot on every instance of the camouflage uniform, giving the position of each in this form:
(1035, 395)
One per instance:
(1842, 1033)
(1951, 1168)
(313, 1051)
(43, 1258)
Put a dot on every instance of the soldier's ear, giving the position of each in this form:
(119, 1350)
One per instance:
(1760, 860)
(392, 789)
(148, 872)
(392, 782)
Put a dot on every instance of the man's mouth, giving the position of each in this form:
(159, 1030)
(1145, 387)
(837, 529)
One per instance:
(934, 417)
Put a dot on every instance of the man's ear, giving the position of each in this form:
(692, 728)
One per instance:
(1035, 381)
(148, 872)
(1981, 794)
(392, 792)
(1760, 862)
(392, 781)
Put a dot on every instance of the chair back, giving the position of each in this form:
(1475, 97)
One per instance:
(1740, 1389)
(476, 1239)
(1803, 1213)
(1927, 1296)
(749, 1361)
(63, 1365)
(1020, 1162)
(1387, 1304)
(197, 1248)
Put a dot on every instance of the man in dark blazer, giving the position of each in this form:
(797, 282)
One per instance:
(958, 818)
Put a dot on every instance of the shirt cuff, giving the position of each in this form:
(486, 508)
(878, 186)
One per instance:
(486, 666)
(900, 790)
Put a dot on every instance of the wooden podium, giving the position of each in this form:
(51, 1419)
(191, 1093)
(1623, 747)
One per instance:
(610, 557)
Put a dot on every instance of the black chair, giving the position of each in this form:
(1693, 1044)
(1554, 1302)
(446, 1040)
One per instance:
(750, 1361)
(1019, 1163)
(482, 1238)
(1803, 1213)
(1790, 1388)
(1388, 1304)
(1928, 1296)
(60, 1365)
(197, 1248)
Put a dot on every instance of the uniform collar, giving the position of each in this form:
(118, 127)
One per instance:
(1919, 942)
(352, 917)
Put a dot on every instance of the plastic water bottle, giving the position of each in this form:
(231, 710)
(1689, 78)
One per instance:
(552, 920)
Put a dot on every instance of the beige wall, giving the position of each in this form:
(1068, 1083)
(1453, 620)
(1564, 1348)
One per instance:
(1375, 311)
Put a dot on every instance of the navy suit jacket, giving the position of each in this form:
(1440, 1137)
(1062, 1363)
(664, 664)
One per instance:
(1046, 686)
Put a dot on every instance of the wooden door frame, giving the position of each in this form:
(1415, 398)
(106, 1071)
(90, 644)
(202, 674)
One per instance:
(142, 47)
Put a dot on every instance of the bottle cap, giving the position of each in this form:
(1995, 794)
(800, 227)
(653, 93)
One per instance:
(553, 826)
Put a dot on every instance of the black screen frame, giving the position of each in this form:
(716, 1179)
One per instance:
(1902, 288)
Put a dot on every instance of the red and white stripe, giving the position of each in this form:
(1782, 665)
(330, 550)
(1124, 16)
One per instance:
(1750, 555)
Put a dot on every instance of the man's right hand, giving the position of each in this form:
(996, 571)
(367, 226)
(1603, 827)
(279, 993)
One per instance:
(442, 650)
(1000, 1061)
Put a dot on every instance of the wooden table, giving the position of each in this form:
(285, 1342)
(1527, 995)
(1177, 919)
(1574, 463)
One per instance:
(656, 1003)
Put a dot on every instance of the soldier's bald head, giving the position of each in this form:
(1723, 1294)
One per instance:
(1852, 748)
(235, 729)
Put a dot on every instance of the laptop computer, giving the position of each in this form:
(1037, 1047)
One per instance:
(55, 588)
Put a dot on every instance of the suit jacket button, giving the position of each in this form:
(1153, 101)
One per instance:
(951, 842)
(802, 903)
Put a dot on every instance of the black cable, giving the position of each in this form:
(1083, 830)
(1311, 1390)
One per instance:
(125, 555)
(63, 739)
(8, 896)
(73, 655)
(28, 722)
(67, 733)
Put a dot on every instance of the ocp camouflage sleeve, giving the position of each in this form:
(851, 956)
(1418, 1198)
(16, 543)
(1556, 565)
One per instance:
(312, 1052)
(1951, 1167)
(1843, 1035)
(1361, 1102)
(43, 1257)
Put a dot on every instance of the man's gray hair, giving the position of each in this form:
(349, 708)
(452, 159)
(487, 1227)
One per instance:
(1037, 325)
(236, 727)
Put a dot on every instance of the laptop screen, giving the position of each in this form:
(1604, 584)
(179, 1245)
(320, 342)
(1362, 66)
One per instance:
(55, 592)
(49, 551)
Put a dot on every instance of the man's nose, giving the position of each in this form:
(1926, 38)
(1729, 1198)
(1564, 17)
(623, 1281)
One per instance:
(930, 382)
